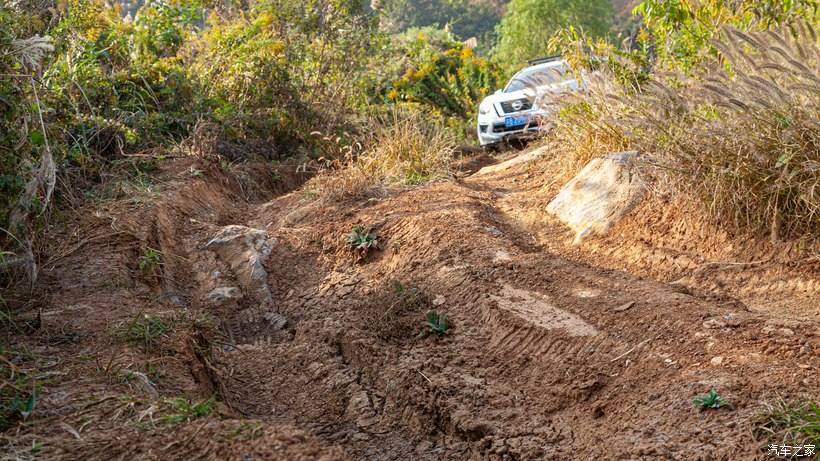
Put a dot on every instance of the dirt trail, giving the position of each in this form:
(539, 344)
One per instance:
(549, 357)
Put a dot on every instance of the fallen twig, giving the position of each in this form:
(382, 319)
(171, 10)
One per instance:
(630, 350)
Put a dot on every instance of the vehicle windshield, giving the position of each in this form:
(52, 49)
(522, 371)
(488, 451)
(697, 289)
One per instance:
(529, 78)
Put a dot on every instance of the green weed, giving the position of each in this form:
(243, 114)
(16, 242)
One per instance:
(362, 240)
(19, 393)
(196, 173)
(711, 400)
(247, 431)
(435, 323)
(184, 411)
(145, 331)
(149, 261)
(19, 408)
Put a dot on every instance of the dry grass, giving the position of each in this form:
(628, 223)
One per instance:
(742, 138)
(403, 149)
(394, 312)
(790, 423)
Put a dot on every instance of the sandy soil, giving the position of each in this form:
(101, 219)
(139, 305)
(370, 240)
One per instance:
(556, 352)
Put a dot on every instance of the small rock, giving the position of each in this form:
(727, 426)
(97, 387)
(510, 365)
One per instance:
(345, 290)
(731, 320)
(713, 324)
(440, 299)
(245, 250)
(276, 320)
(785, 331)
(140, 381)
(222, 294)
(716, 361)
(624, 307)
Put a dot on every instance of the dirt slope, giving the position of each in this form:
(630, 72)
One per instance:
(550, 356)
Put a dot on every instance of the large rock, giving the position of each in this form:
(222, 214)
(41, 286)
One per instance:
(245, 250)
(605, 191)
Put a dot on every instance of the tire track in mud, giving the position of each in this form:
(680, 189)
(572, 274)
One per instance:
(526, 374)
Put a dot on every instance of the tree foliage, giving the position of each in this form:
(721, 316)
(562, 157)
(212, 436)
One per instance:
(464, 18)
(683, 29)
(525, 30)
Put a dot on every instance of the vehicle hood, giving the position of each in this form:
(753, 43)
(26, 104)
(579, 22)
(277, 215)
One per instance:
(541, 92)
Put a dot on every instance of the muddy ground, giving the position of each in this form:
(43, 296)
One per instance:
(555, 352)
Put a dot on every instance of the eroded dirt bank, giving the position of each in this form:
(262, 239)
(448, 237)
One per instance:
(550, 356)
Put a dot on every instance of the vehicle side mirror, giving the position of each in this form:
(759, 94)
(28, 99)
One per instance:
(497, 91)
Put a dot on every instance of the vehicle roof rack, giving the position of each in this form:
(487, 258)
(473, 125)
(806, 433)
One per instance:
(553, 58)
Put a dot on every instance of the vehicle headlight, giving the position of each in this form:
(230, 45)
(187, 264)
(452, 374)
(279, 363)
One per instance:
(485, 108)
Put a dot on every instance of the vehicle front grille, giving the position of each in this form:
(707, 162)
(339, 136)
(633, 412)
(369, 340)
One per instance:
(501, 128)
(507, 106)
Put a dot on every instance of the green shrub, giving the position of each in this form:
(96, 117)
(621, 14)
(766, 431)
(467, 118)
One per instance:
(445, 77)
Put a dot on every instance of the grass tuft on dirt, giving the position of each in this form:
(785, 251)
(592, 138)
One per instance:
(393, 313)
(404, 149)
(145, 331)
(793, 422)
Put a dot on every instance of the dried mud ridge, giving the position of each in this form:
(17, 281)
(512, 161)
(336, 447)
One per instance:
(549, 358)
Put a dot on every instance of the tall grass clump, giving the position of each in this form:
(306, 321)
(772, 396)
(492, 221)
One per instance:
(740, 134)
(404, 149)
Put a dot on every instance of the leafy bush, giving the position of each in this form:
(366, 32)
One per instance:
(273, 71)
(466, 18)
(445, 77)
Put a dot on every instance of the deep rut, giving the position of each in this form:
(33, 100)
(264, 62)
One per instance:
(540, 364)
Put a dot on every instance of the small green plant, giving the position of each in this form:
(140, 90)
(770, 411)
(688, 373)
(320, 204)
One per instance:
(19, 408)
(362, 240)
(196, 173)
(710, 400)
(145, 330)
(798, 421)
(150, 261)
(19, 392)
(184, 410)
(247, 431)
(153, 372)
(435, 323)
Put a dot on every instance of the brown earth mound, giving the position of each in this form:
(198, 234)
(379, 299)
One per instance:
(553, 352)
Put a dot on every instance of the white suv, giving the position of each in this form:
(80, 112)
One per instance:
(519, 109)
